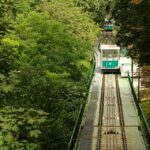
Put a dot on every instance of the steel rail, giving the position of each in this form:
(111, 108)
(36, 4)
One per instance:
(107, 139)
(109, 115)
(112, 111)
(113, 122)
(110, 94)
(100, 123)
(121, 116)
(113, 117)
(116, 132)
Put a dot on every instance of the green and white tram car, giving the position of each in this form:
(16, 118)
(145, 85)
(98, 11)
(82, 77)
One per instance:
(108, 27)
(110, 58)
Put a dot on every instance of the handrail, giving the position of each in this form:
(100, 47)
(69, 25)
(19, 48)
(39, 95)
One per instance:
(75, 131)
(141, 115)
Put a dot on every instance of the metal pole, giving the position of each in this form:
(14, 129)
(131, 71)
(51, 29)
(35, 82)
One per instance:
(139, 99)
(132, 69)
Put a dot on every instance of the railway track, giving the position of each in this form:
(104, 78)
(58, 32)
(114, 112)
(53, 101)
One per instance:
(111, 131)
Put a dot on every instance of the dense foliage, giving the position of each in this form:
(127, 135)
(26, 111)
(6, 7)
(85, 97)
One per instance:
(23, 129)
(133, 19)
(97, 9)
(45, 63)
(132, 16)
(45, 55)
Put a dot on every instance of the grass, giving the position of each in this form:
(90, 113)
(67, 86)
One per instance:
(146, 108)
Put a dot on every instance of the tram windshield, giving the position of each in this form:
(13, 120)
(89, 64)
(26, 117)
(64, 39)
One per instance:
(110, 54)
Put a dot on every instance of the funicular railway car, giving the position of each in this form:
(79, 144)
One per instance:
(110, 58)
(108, 25)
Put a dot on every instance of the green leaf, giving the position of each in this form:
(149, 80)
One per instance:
(9, 138)
(10, 42)
(1, 141)
(2, 77)
(6, 88)
(35, 133)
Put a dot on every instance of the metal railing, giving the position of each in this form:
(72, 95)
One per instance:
(76, 128)
(145, 128)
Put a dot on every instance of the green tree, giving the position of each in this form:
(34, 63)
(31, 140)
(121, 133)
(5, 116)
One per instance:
(133, 19)
(97, 9)
(23, 129)
(78, 22)
(45, 56)
(8, 54)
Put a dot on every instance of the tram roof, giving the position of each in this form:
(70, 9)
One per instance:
(111, 47)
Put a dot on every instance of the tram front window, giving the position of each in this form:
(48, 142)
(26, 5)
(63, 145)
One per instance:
(110, 55)
(114, 54)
